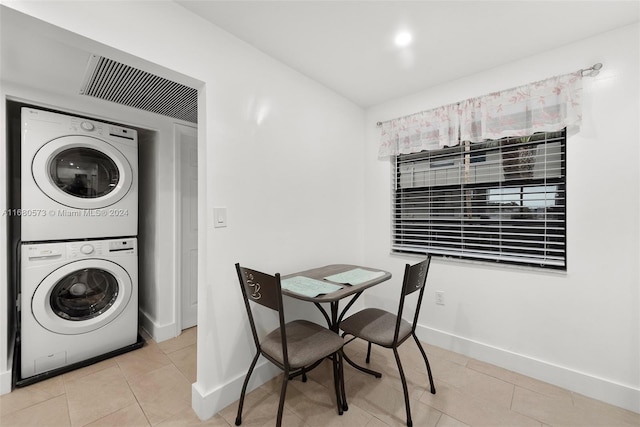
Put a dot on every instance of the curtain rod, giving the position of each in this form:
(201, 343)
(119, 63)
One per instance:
(593, 71)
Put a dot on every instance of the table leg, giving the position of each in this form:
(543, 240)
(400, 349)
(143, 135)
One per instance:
(324, 313)
(334, 327)
(362, 368)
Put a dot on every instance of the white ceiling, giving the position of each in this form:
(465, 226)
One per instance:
(348, 45)
(34, 55)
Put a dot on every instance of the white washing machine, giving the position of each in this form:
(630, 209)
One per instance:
(79, 300)
(79, 178)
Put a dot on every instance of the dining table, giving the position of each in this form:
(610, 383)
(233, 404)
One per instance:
(331, 284)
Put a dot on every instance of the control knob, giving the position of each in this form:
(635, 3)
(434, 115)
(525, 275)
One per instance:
(86, 249)
(88, 126)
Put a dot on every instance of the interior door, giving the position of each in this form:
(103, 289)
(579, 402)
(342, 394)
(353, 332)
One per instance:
(188, 143)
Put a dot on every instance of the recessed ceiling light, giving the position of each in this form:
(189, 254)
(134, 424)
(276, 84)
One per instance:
(403, 39)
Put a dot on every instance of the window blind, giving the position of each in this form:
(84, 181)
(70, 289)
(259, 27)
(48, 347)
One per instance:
(500, 200)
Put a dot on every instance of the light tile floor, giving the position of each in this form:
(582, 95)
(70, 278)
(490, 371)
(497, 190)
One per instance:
(152, 386)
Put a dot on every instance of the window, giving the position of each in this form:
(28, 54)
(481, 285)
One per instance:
(499, 200)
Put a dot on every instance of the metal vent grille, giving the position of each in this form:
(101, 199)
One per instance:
(116, 82)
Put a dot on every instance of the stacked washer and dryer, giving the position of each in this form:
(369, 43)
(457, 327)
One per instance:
(78, 255)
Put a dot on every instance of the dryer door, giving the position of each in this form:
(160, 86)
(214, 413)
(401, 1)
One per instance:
(82, 172)
(81, 296)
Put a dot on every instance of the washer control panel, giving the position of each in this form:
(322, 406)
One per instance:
(100, 248)
(52, 252)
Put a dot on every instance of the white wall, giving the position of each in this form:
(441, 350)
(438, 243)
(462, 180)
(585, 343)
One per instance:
(279, 151)
(578, 329)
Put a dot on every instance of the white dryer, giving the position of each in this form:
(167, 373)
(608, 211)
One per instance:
(79, 300)
(79, 178)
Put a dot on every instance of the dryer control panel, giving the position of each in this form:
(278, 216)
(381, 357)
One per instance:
(34, 119)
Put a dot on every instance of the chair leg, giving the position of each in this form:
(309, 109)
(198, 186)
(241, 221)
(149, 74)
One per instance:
(404, 387)
(368, 359)
(426, 361)
(336, 381)
(283, 393)
(244, 388)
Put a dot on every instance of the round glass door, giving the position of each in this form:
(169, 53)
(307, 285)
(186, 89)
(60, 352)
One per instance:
(84, 294)
(84, 172)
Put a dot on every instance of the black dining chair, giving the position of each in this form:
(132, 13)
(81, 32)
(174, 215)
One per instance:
(388, 330)
(295, 347)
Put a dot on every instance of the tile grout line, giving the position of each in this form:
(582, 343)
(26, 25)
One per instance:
(66, 398)
(134, 395)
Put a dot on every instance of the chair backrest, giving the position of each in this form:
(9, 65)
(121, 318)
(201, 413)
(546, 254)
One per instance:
(266, 290)
(415, 277)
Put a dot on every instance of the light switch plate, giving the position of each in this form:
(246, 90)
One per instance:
(219, 217)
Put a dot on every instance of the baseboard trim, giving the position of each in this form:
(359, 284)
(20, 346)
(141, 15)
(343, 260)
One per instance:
(7, 377)
(159, 333)
(616, 394)
(6, 381)
(207, 403)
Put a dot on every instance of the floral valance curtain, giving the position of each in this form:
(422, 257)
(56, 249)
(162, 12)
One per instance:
(545, 106)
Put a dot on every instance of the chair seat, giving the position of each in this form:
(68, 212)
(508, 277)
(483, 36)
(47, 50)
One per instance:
(307, 343)
(376, 326)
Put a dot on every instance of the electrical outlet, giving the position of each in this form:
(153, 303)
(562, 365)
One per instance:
(440, 297)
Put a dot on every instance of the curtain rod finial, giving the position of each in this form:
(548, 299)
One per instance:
(593, 71)
(378, 124)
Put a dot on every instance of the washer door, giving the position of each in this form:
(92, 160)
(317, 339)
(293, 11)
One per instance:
(81, 296)
(82, 172)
